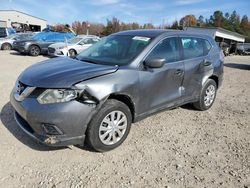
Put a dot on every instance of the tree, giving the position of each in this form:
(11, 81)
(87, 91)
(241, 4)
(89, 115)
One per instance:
(174, 25)
(201, 21)
(188, 20)
(148, 26)
(113, 26)
(244, 24)
(218, 18)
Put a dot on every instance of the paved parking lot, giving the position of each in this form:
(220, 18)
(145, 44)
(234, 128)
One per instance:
(177, 148)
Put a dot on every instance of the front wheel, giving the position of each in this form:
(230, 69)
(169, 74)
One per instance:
(110, 127)
(72, 53)
(34, 50)
(6, 46)
(207, 96)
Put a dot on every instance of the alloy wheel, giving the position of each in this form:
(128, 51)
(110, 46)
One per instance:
(35, 51)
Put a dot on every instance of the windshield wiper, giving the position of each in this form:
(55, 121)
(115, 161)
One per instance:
(88, 60)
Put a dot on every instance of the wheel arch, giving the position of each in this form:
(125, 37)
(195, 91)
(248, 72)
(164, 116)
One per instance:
(126, 100)
(215, 78)
(68, 54)
(73, 50)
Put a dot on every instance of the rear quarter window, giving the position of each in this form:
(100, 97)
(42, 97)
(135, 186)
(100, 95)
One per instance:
(195, 47)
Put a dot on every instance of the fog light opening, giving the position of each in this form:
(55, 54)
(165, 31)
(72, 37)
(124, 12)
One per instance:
(51, 129)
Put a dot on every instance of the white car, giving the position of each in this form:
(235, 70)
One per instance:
(7, 42)
(73, 46)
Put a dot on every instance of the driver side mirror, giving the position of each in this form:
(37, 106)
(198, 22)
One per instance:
(155, 63)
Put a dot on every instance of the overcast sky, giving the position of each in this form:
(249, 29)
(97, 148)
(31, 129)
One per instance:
(141, 11)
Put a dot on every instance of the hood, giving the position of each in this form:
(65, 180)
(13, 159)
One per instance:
(62, 72)
(57, 45)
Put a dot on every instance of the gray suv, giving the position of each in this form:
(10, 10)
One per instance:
(122, 79)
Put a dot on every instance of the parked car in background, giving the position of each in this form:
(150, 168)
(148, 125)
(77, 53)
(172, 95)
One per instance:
(225, 47)
(7, 42)
(124, 78)
(73, 46)
(6, 31)
(39, 43)
(243, 49)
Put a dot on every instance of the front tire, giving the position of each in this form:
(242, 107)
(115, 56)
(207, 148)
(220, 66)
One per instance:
(34, 50)
(207, 96)
(72, 53)
(6, 46)
(110, 126)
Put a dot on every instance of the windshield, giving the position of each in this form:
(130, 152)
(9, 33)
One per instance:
(11, 36)
(74, 40)
(115, 50)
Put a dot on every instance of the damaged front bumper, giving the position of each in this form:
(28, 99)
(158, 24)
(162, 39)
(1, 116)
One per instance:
(58, 124)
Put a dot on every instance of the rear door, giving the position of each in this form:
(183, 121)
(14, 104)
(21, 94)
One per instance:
(197, 64)
(162, 87)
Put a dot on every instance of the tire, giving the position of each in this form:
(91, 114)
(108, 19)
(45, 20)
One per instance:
(34, 50)
(207, 96)
(72, 53)
(100, 134)
(6, 46)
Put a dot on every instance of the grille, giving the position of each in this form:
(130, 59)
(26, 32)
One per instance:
(51, 50)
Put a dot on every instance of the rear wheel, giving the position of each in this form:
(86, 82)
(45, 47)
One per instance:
(34, 50)
(6, 46)
(207, 97)
(110, 127)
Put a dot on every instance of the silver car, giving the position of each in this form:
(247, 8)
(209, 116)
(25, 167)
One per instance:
(7, 42)
(72, 47)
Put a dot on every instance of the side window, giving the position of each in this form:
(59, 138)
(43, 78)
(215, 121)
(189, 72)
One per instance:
(86, 41)
(60, 37)
(95, 40)
(167, 49)
(207, 47)
(195, 47)
(49, 37)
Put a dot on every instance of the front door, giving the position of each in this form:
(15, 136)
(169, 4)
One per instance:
(162, 87)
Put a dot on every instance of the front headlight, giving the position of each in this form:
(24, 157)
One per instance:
(50, 96)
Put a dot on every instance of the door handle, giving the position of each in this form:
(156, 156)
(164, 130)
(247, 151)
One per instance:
(206, 63)
(178, 72)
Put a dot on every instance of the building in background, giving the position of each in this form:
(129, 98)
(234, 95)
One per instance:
(21, 21)
(227, 40)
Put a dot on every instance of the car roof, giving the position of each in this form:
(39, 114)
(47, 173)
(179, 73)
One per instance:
(143, 32)
(153, 33)
(84, 36)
